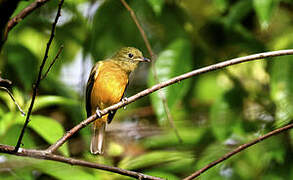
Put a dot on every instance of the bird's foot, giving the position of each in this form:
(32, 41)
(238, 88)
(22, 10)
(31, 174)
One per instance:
(125, 99)
(98, 112)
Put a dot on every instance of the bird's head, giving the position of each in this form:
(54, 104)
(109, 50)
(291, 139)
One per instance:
(129, 58)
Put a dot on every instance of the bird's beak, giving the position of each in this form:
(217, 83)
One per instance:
(144, 59)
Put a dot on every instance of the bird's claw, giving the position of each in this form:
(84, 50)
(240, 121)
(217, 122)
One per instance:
(98, 113)
(124, 100)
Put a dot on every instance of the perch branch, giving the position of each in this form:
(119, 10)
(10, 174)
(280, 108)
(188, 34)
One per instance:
(36, 85)
(153, 57)
(25, 12)
(237, 150)
(169, 82)
(39, 154)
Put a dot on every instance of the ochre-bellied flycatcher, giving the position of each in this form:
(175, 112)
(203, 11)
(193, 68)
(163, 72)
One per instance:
(106, 85)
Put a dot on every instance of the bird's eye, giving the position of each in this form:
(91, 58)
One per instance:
(130, 55)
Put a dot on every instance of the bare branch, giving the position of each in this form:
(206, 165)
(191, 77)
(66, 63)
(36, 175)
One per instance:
(25, 12)
(5, 82)
(153, 57)
(53, 62)
(39, 154)
(169, 82)
(237, 150)
(36, 85)
(11, 95)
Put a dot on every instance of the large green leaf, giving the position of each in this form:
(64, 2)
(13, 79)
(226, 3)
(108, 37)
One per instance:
(11, 135)
(264, 10)
(173, 61)
(49, 129)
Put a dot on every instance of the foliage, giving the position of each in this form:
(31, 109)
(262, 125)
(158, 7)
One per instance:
(213, 112)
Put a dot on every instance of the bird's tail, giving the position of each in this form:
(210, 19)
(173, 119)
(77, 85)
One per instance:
(98, 136)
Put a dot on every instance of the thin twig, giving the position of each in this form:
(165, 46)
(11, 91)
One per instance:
(52, 63)
(169, 82)
(11, 95)
(36, 85)
(237, 150)
(39, 154)
(25, 12)
(5, 82)
(153, 57)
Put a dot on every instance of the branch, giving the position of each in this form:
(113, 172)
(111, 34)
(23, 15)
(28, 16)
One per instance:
(237, 150)
(153, 57)
(7, 7)
(5, 82)
(25, 12)
(39, 154)
(39, 76)
(11, 96)
(169, 82)
(53, 62)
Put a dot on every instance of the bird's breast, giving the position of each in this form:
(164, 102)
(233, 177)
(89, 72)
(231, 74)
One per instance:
(109, 86)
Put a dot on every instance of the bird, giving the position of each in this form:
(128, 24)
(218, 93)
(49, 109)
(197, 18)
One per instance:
(106, 86)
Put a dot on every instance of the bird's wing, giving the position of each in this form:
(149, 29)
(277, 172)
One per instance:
(112, 113)
(89, 87)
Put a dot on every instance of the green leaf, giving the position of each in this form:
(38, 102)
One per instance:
(173, 61)
(6, 121)
(49, 129)
(11, 136)
(46, 101)
(157, 5)
(46, 127)
(264, 10)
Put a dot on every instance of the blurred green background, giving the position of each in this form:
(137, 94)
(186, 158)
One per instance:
(213, 112)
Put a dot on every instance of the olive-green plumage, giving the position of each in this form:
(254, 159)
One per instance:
(106, 85)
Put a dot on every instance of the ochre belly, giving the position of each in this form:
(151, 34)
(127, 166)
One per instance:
(109, 86)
